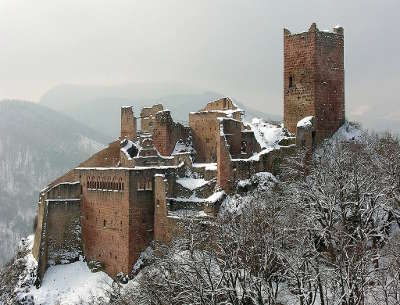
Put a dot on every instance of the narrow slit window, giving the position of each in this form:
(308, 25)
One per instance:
(291, 82)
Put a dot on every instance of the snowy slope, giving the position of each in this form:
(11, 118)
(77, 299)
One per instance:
(62, 285)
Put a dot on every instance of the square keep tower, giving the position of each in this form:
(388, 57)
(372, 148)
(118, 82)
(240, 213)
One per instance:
(314, 80)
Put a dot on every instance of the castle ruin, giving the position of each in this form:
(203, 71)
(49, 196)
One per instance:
(139, 188)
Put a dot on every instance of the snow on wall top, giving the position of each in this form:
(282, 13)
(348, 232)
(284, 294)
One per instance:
(305, 122)
(127, 107)
(191, 183)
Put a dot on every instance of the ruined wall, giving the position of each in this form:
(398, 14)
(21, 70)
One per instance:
(249, 144)
(106, 218)
(267, 162)
(63, 231)
(166, 133)
(39, 250)
(128, 123)
(205, 128)
(225, 170)
(224, 103)
(142, 213)
(305, 134)
(147, 116)
(314, 79)
(165, 228)
(118, 214)
(233, 135)
(58, 231)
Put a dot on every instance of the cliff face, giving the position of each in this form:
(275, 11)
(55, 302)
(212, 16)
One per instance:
(36, 146)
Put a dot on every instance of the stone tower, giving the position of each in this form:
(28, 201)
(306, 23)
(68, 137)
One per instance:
(313, 80)
(128, 123)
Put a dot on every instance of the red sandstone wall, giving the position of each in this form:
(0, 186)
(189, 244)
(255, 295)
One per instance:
(106, 218)
(128, 123)
(117, 220)
(205, 128)
(314, 61)
(221, 104)
(160, 210)
(166, 133)
(147, 116)
(225, 171)
(142, 213)
(165, 228)
(298, 63)
(329, 80)
(233, 135)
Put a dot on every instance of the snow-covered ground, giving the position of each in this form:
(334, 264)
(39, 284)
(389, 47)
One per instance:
(70, 284)
(62, 284)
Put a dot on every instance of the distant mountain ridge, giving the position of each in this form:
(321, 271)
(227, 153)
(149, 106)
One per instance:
(37, 145)
(99, 106)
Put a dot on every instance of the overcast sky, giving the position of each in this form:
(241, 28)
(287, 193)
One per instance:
(233, 47)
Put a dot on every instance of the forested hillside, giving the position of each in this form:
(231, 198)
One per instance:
(37, 144)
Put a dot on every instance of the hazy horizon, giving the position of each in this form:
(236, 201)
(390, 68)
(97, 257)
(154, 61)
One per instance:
(228, 46)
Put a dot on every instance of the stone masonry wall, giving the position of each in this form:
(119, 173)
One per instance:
(221, 104)
(165, 228)
(233, 135)
(147, 116)
(106, 218)
(166, 133)
(299, 70)
(225, 170)
(205, 128)
(57, 234)
(142, 213)
(63, 231)
(329, 80)
(128, 123)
